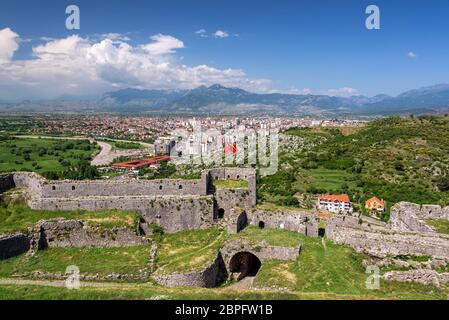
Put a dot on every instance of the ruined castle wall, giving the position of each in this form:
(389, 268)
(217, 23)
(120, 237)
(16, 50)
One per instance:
(261, 250)
(178, 214)
(420, 276)
(341, 221)
(40, 187)
(294, 220)
(6, 182)
(247, 174)
(389, 243)
(206, 278)
(172, 213)
(13, 245)
(230, 198)
(62, 233)
(29, 180)
(99, 188)
(407, 216)
(173, 204)
(232, 173)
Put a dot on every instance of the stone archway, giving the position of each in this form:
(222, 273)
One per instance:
(244, 264)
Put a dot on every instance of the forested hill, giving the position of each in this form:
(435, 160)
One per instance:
(396, 159)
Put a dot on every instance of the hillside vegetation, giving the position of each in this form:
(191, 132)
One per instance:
(395, 159)
(323, 270)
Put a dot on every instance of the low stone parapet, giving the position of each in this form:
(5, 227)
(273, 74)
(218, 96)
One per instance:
(74, 233)
(13, 245)
(208, 277)
(389, 243)
(421, 276)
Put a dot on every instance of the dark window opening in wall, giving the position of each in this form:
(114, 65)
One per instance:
(229, 177)
(261, 224)
(180, 187)
(53, 188)
(321, 232)
(160, 187)
(221, 213)
(238, 177)
(73, 187)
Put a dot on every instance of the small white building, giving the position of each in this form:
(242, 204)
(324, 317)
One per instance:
(335, 203)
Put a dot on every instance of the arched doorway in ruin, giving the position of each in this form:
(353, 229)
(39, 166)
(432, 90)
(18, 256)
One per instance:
(244, 264)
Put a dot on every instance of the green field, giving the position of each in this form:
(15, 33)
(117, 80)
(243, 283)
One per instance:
(273, 237)
(124, 145)
(188, 250)
(127, 291)
(230, 184)
(441, 225)
(17, 217)
(42, 155)
(103, 261)
(331, 179)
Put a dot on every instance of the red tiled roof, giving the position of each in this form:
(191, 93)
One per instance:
(335, 197)
(141, 163)
(325, 215)
(375, 199)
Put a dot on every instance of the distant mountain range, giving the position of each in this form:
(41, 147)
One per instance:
(217, 99)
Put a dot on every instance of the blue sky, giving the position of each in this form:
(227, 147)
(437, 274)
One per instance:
(289, 46)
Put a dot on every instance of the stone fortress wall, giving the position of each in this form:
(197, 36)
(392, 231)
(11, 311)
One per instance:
(405, 234)
(227, 199)
(296, 220)
(175, 205)
(67, 189)
(194, 204)
(410, 217)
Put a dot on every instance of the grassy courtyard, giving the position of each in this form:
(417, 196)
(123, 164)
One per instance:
(323, 270)
(273, 237)
(230, 184)
(188, 250)
(18, 217)
(102, 261)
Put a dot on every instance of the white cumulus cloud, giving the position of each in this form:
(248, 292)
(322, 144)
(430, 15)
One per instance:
(221, 34)
(9, 43)
(81, 66)
(163, 44)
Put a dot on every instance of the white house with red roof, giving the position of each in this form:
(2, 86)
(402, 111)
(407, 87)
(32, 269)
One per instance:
(335, 203)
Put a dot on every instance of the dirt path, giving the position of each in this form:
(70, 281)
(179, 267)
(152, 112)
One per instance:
(323, 242)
